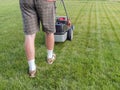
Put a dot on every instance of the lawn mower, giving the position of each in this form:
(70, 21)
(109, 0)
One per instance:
(64, 28)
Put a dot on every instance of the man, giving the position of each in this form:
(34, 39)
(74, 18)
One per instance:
(34, 12)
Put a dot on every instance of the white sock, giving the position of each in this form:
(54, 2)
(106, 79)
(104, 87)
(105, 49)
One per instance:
(49, 53)
(32, 65)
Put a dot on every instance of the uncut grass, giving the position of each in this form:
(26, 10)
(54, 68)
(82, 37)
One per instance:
(90, 61)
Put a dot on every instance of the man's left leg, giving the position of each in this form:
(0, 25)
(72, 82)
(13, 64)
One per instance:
(30, 53)
(50, 47)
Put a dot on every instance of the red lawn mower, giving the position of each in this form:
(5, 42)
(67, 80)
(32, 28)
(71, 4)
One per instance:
(64, 28)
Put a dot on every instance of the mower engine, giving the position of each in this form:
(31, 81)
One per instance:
(64, 29)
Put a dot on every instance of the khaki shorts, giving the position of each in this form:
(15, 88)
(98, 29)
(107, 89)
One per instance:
(36, 11)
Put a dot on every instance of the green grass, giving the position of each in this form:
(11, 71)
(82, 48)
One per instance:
(90, 61)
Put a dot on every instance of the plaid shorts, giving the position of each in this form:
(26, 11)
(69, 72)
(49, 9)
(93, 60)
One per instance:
(36, 11)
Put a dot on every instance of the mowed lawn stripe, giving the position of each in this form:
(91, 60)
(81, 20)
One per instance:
(79, 12)
(106, 31)
(115, 15)
(104, 48)
(100, 46)
(113, 21)
(114, 41)
(109, 52)
(89, 28)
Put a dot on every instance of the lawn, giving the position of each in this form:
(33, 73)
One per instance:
(90, 61)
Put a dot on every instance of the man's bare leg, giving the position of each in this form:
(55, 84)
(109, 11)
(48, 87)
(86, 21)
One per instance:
(50, 47)
(49, 44)
(30, 51)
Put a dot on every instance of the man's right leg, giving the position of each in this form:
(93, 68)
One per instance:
(50, 47)
(30, 53)
(46, 12)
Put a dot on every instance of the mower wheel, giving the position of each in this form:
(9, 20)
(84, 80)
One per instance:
(70, 34)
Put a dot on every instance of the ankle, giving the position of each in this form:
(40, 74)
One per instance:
(49, 53)
(32, 65)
